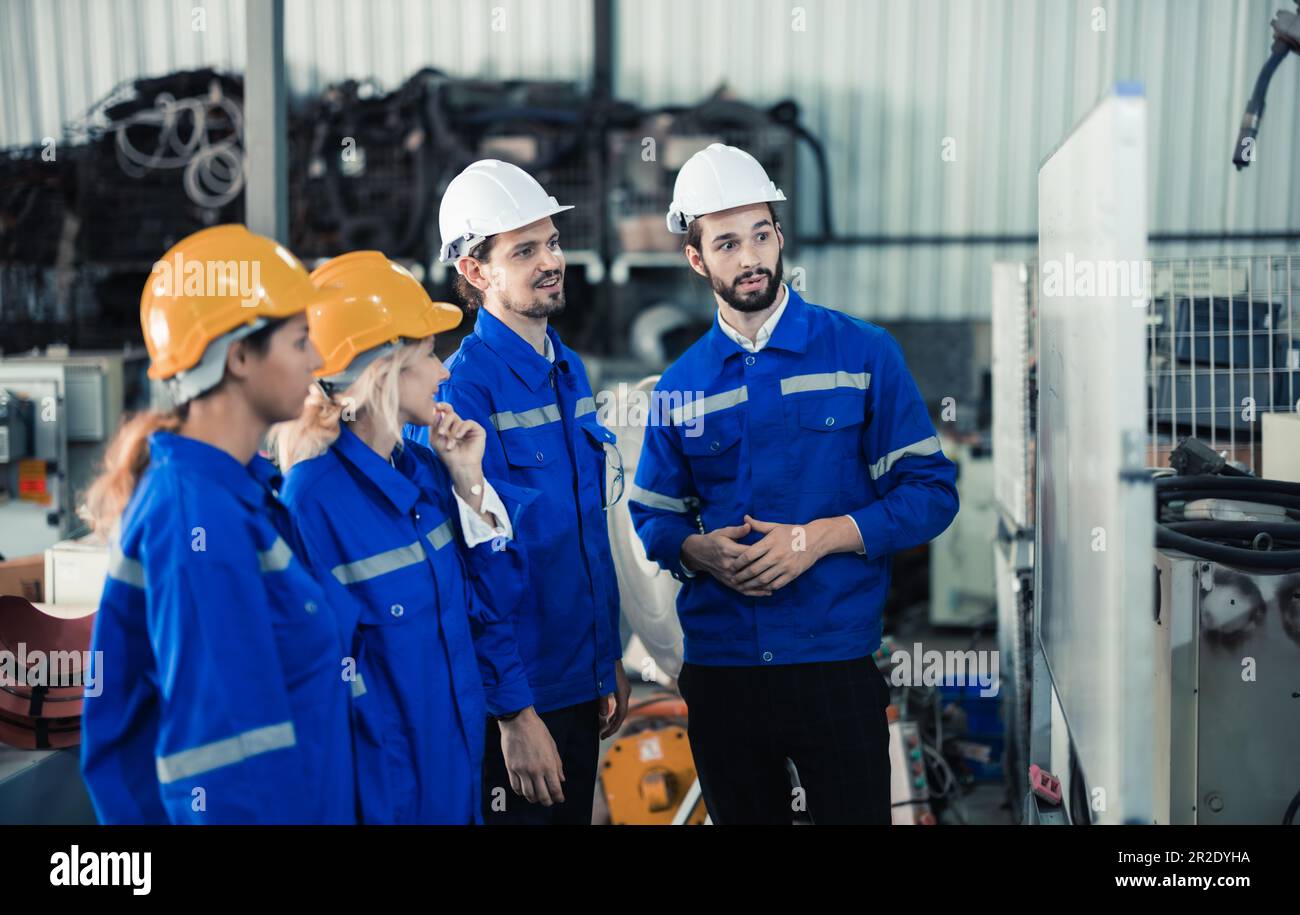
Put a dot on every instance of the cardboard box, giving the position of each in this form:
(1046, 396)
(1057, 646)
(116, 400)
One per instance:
(24, 577)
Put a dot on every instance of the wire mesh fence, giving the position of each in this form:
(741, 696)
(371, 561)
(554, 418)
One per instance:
(1222, 351)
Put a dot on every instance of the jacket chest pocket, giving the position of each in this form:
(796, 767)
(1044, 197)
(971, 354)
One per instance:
(533, 449)
(394, 598)
(827, 437)
(713, 449)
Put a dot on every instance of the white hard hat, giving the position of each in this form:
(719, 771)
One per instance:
(489, 197)
(715, 179)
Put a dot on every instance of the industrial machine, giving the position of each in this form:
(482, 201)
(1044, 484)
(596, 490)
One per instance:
(648, 775)
(1228, 622)
(962, 591)
(1014, 320)
(908, 786)
(58, 411)
(1230, 646)
(1165, 571)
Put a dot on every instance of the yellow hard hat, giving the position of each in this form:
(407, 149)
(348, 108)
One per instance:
(211, 283)
(368, 301)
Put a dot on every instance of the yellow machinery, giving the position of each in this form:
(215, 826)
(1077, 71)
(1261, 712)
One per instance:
(648, 775)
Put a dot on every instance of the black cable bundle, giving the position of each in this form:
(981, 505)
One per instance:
(361, 173)
(1245, 544)
(158, 158)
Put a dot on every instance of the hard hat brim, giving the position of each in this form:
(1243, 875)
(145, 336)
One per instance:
(453, 249)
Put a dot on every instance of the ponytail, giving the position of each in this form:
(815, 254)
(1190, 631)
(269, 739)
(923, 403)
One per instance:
(125, 462)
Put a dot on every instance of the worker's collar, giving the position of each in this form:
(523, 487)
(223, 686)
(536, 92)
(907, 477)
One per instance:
(266, 474)
(764, 331)
(209, 462)
(789, 330)
(387, 478)
(531, 366)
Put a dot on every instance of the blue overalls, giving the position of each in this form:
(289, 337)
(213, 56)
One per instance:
(391, 534)
(824, 421)
(219, 655)
(542, 434)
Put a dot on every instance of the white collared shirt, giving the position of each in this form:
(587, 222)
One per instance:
(475, 529)
(764, 333)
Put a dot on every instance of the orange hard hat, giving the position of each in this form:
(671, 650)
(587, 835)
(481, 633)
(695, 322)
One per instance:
(211, 283)
(368, 301)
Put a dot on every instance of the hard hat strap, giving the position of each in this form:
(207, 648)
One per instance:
(461, 246)
(211, 367)
(340, 381)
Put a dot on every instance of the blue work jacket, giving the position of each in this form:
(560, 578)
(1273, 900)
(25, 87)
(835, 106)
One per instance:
(542, 434)
(223, 694)
(823, 421)
(390, 533)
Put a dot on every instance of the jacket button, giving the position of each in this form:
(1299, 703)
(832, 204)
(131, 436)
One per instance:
(539, 457)
(750, 360)
(830, 420)
(767, 656)
(397, 610)
(600, 684)
(714, 446)
(310, 606)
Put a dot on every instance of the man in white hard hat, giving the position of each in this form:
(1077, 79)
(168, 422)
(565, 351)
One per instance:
(800, 458)
(515, 377)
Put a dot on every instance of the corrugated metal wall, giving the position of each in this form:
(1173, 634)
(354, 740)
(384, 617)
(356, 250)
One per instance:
(885, 84)
(58, 57)
(889, 86)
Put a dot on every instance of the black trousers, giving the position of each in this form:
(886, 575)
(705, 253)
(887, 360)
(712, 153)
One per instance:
(828, 718)
(576, 732)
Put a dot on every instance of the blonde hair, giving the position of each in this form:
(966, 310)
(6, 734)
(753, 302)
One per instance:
(375, 392)
(125, 461)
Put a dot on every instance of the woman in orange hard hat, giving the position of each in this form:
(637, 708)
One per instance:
(220, 653)
(415, 533)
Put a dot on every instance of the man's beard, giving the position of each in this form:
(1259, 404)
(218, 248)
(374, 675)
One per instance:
(544, 305)
(753, 301)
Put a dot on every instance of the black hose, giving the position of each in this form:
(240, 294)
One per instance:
(1235, 485)
(1237, 530)
(1255, 107)
(1197, 537)
(1265, 560)
(823, 179)
(1209, 486)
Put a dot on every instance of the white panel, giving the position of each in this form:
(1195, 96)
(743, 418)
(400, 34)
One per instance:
(1095, 508)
